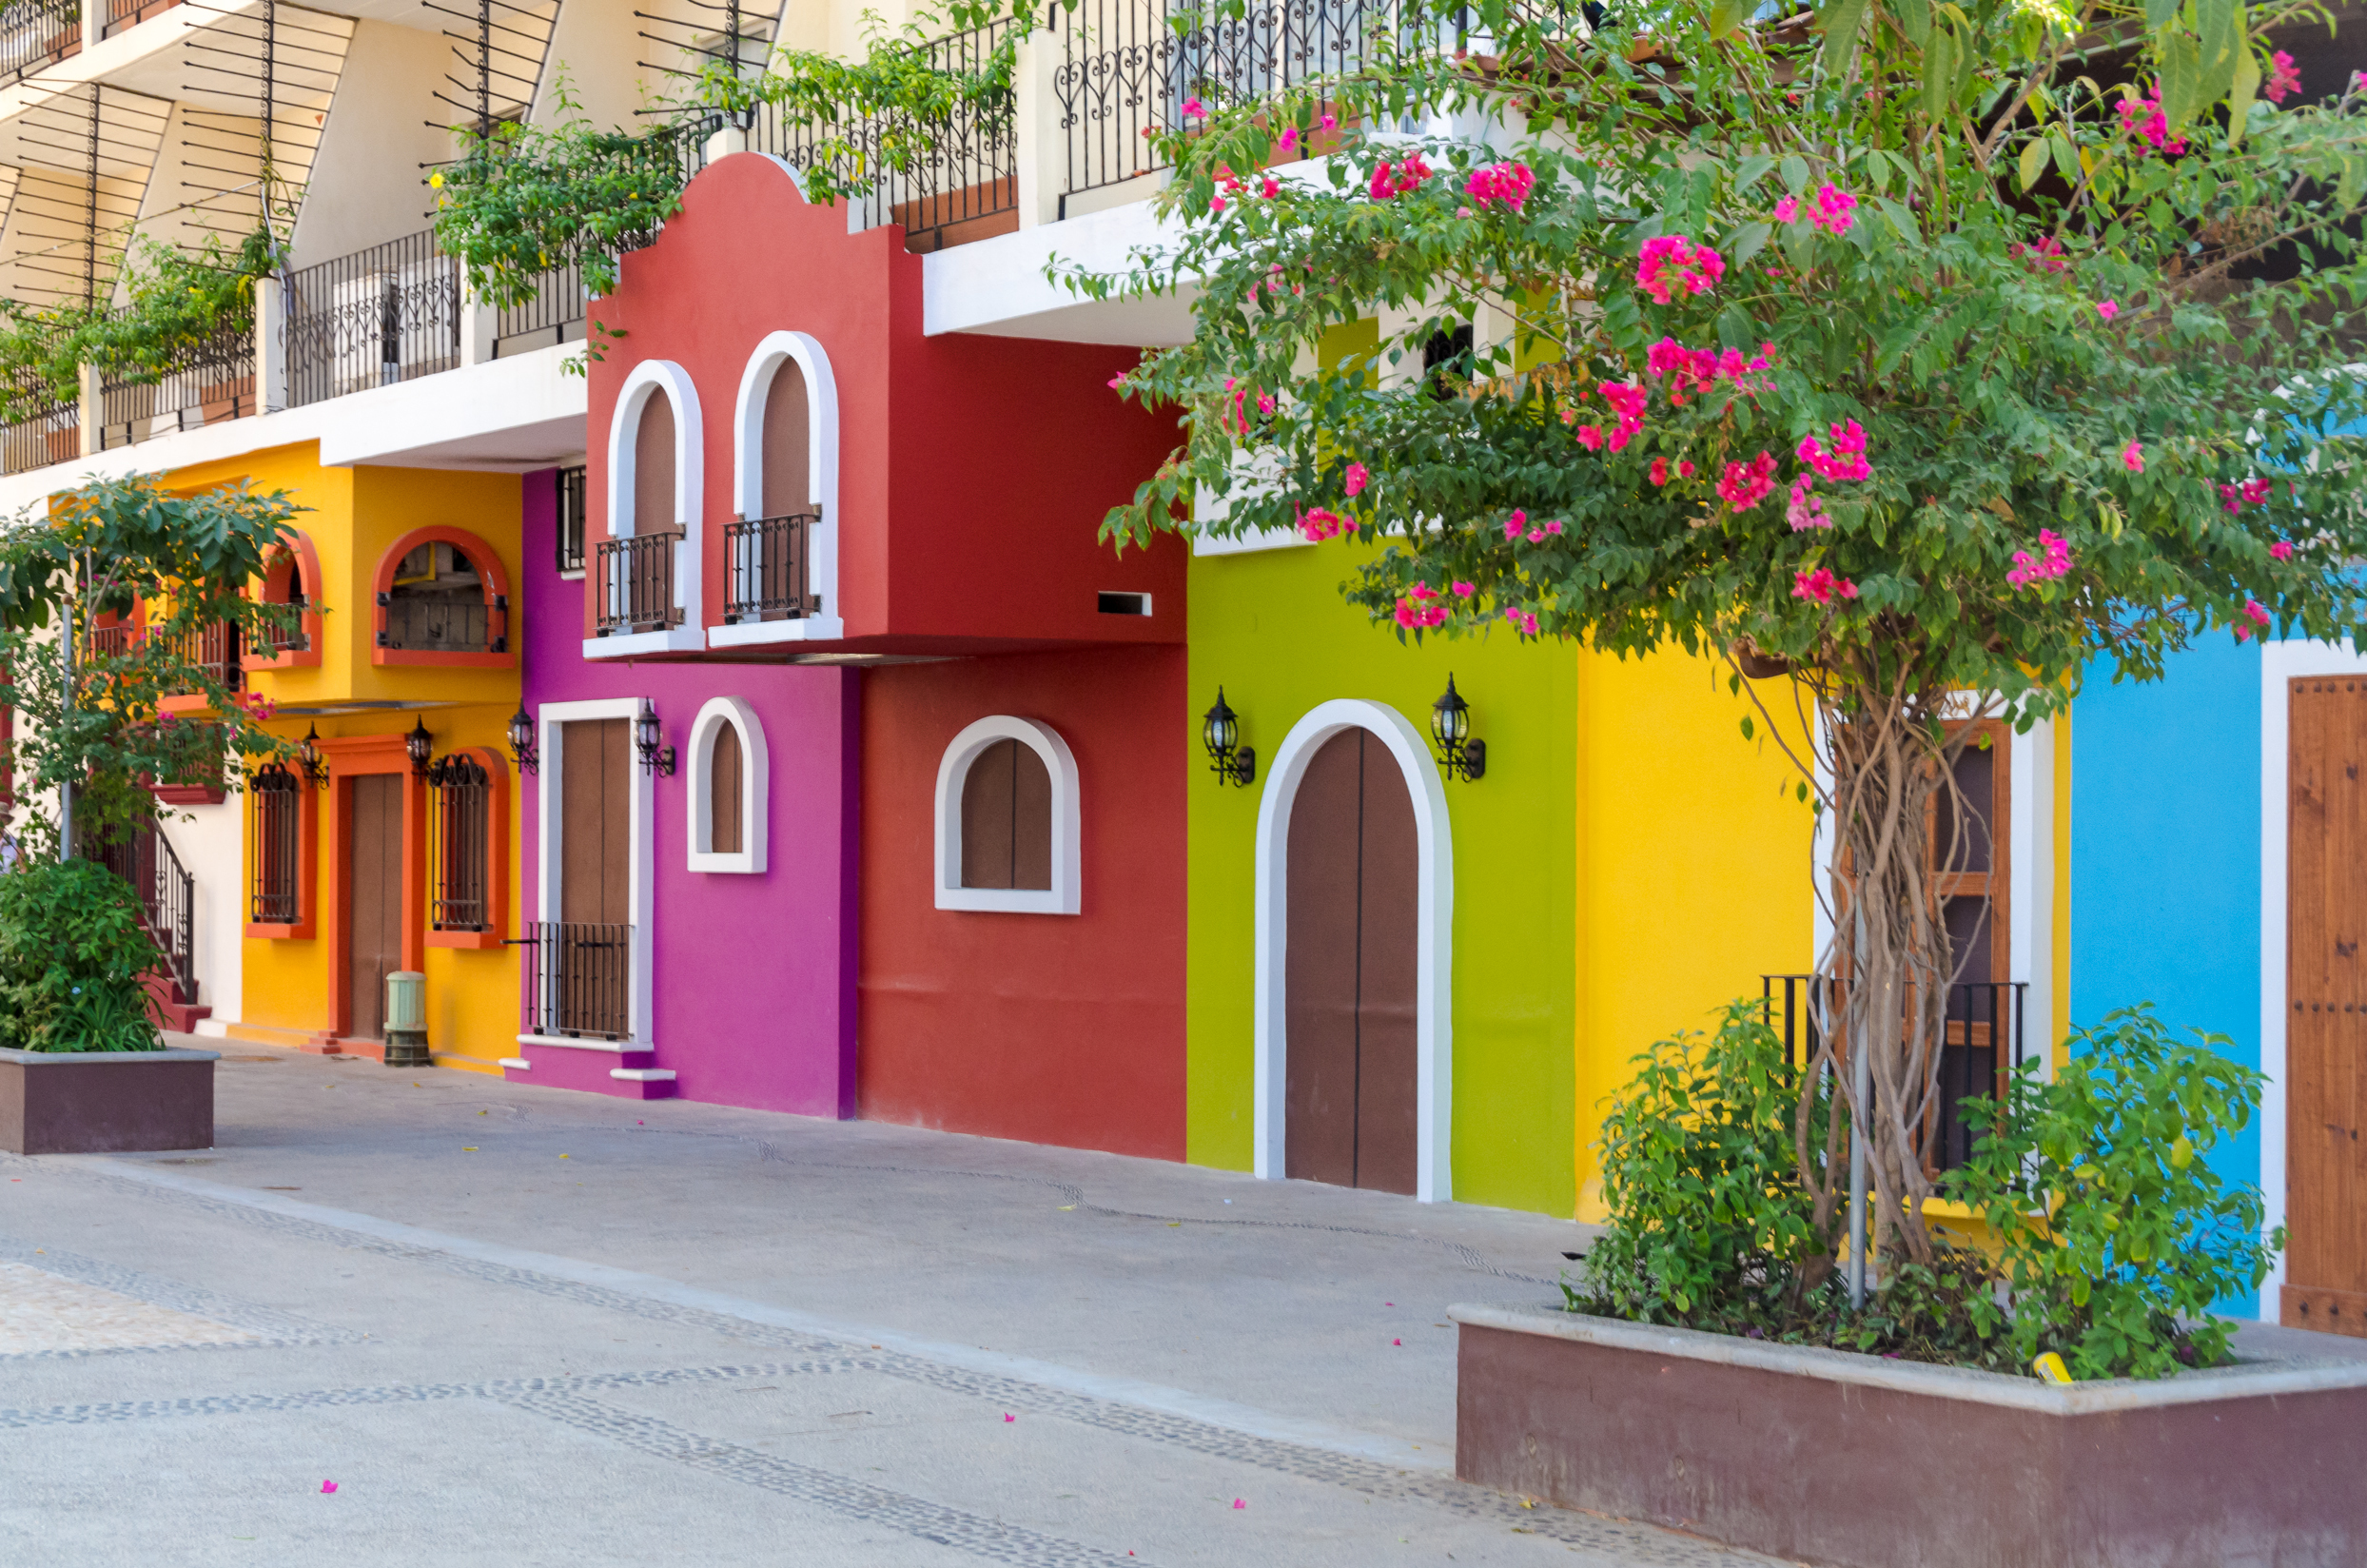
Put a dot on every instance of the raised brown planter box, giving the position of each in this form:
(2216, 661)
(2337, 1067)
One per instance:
(1859, 1462)
(106, 1102)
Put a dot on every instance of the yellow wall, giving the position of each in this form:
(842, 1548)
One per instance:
(354, 516)
(1694, 871)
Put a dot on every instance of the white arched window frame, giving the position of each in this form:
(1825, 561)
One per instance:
(656, 379)
(1433, 926)
(813, 362)
(756, 779)
(1065, 896)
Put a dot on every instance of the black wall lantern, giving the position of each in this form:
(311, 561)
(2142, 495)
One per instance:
(1220, 732)
(655, 758)
(522, 741)
(1450, 726)
(308, 759)
(419, 745)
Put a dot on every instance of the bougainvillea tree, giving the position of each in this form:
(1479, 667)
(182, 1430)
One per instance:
(1934, 357)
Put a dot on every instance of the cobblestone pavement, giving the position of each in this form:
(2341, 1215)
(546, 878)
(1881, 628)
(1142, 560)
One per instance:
(517, 1325)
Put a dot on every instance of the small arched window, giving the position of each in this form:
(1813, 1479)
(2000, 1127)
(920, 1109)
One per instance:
(441, 598)
(645, 575)
(291, 579)
(1008, 821)
(728, 784)
(788, 482)
(653, 469)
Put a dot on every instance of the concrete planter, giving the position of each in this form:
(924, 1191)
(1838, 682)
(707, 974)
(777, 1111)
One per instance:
(1858, 1461)
(106, 1102)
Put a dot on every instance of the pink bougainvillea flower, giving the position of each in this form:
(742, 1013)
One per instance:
(2055, 562)
(2107, 308)
(2144, 118)
(1746, 484)
(2254, 492)
(1270, 188)
(1265, 403)
(1290, 138)
(1788, 209)
(1194, 110)
(1845, 458)
(2284, 78)
(2281, 550)
(1319, 524)
(1331, 122)
(1670, 262)
(328, 1487)
(1659, 474)
(1514, 524)
(1216, 204)
(2133, 458)
(1822, 586)
(1507, 183)
(2255, 613)
(1683, 468)
(1832, 210)
(1008, 1416)
(1238, 1502)
(1118, 380)
(1523, 619)
(2231, 498)
(1465, 590)
(1806, 509)
(1355, 483)
(1591, 437)
(2044, 256)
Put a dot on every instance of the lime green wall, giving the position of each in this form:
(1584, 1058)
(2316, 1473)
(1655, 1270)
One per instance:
(1271, 627)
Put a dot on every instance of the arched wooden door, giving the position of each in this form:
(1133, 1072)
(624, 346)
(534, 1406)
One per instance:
(1350, 1049)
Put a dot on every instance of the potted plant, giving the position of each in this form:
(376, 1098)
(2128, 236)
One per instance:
(1914, 359)
(82, 1067)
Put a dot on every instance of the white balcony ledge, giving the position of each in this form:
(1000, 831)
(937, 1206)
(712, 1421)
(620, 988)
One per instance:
(507, 415)
(997, 286)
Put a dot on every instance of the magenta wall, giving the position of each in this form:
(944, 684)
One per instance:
(753, 976)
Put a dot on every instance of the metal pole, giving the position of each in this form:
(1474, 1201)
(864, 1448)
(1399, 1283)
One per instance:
(66, 787)
(1862, 1090)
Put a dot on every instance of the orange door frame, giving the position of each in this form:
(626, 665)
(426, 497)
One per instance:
(349, 757)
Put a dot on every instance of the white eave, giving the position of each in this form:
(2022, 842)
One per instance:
(997, 287)
(509, 415)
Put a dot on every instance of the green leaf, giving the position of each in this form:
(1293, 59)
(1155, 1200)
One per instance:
(2182, 79)
(1752, 170)
(1939, 84)
(1913, 17)
(1749, 240)
(1746, 726)
(1901, 220)
(2067, 157)
(2033, 161)
(2245, 88)
(2346, 189)
(2220, 39)
(2160, 14)
(1726, 15)
(1795, 173)
(1843, 21)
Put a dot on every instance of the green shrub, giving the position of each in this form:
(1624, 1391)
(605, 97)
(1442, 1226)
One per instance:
(71, 954)
(2142, 1237)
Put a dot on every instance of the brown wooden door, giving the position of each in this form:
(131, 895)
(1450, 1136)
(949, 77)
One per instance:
(595, 832)
(374, 884)
(1350, 1044)
(1006, 819)
(2326, 997)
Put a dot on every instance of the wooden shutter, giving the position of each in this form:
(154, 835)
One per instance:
(596, 785)
(788, 487)
(653, 468)
(724, 767)
(1006, 819)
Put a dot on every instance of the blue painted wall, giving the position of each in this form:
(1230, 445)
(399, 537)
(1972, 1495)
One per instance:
(2165, 858)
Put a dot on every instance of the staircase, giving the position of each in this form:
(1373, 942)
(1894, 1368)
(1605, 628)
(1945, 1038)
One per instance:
(145, 858)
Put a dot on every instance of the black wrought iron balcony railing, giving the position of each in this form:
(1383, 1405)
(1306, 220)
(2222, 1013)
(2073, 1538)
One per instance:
(578, 980)
(768, 569)
(52, 434)
(379, 315)
(555, 314)
(214, 649)
(34, 33)
(945, 182)
(209, 380)
(143, 857)
(636, 584)
(1982, 1048)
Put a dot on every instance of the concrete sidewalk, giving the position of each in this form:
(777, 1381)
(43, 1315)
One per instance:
(522, 1325)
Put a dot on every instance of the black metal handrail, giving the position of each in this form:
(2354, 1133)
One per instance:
(214, 649)
(945, 182)
(636, 584)
(555, 314)
(53, 435)
(578, 980)
(768, 568)
(34, 33)
(1972, 1065)
(144, 858)
(209, 380)
(382, 315)
(125, 14)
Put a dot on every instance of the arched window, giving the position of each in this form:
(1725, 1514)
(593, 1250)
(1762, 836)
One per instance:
(442, 597)
(727, 783)
(1008, 821)
(646, 591)
(780, 548)
(291, 578)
